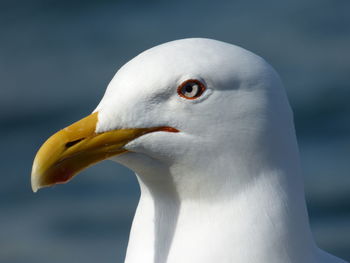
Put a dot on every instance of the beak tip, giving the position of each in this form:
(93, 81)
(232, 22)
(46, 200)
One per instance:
(34, 189)
(35, 178)
(34, 183)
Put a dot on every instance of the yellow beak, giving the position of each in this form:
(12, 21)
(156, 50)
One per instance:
(78, 146)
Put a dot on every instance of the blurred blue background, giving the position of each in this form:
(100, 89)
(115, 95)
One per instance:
(56, 58)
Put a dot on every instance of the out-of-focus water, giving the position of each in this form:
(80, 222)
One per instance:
(56, 58)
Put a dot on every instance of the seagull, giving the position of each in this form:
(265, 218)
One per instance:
(208, 130)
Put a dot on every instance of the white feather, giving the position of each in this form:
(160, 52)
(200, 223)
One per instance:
(228, 187)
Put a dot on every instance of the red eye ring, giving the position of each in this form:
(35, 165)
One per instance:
(191, 89)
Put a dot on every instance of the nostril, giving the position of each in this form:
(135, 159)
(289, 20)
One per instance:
(70, 144)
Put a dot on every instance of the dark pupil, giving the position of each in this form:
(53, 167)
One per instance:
(189, 89)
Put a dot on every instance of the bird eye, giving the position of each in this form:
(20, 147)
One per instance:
(191, 89)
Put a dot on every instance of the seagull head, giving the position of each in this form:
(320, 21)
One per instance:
(188, 107)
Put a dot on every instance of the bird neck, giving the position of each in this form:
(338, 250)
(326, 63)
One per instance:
(265, 222)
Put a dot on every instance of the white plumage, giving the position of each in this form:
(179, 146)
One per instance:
(227, 187)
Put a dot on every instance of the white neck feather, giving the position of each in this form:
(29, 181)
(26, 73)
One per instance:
(265, 222)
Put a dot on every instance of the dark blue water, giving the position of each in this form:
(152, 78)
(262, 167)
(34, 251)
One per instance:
(56, 58)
